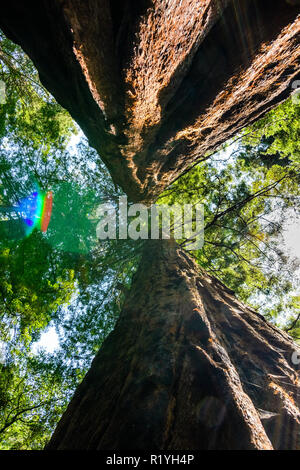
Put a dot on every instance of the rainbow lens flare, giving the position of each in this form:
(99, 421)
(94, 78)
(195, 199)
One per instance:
(35, 210)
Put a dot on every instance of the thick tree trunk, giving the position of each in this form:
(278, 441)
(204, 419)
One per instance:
(156, 84)
(188, 367)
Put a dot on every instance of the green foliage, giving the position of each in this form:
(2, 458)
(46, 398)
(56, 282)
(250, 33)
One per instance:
(30, 115)
(277, 135)
(33, 394)
(31, 290)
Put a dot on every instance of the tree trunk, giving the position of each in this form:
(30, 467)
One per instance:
(187, 367)
(156, 84)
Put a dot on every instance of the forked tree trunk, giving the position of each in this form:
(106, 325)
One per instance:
(157, 84)
(188, 367)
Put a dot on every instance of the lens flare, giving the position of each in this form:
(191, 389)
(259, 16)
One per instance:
(47, 210)
(35, 210)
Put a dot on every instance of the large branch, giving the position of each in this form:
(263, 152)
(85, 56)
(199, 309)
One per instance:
(155, 84)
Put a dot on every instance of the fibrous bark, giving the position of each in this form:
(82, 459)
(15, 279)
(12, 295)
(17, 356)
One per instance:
(156, 84)
(188, 366)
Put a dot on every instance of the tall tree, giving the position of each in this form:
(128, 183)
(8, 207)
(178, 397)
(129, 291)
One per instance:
(152, 106)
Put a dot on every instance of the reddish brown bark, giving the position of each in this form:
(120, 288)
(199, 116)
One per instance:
(188, 366)
(156, 84)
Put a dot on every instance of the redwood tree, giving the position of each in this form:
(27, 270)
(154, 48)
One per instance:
(187, 366)
(157, 85)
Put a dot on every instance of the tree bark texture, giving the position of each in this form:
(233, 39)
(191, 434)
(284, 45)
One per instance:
(187, 367)
(158, 84)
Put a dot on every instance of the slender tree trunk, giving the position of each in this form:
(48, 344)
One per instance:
(188, 366)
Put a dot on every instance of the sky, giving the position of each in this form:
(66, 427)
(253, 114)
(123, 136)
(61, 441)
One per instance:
(48, 341)
(292, 237)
